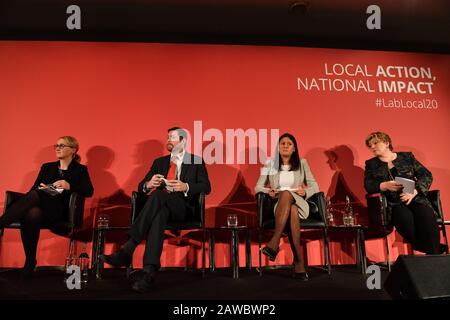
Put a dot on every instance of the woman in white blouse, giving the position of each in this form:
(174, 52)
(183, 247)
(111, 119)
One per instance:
(289, 180)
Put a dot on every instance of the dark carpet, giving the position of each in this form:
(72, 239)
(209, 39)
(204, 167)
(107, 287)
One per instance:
(345, 283)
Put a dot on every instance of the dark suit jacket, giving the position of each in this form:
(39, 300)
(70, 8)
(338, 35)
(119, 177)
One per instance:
(407, 166)
(54, 207)
(193, 172)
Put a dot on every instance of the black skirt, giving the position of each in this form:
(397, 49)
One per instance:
(54, 208)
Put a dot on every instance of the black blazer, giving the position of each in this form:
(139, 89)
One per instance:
(407, 166)
(76, 175)
(193, 172)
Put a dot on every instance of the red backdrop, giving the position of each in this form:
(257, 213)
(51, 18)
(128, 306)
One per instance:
(118, 99)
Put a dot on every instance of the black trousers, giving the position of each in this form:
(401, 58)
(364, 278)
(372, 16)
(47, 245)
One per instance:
(152, 220)
(417, 224)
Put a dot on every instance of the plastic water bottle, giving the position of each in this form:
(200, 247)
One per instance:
(71, 259)
(349, 218)
(330, 215)
(83, 263)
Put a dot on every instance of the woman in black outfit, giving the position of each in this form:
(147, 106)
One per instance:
(40, 209)
(411, 213)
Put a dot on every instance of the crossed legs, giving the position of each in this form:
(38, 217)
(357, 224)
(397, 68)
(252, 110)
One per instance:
(26, 210)
(287, 212)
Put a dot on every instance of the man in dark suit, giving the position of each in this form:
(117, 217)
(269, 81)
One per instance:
(174, 183)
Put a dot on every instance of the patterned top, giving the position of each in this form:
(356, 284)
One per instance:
(407, 166)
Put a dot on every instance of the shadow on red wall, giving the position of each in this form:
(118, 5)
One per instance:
(109, 198)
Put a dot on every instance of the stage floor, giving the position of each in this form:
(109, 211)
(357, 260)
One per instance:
(345, 283)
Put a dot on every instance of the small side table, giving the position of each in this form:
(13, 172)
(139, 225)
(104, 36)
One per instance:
(234, 248)
(360, 243)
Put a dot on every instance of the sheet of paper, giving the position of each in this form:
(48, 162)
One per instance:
(408, 184)
(168, 188)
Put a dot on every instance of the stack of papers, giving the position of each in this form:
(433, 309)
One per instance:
(51, 190)
(408, 184)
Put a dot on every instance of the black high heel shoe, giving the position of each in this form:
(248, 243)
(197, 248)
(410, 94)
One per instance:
(271, 253)
(302, 276)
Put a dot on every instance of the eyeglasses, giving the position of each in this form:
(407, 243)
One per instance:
(60, 146)
(173, 138)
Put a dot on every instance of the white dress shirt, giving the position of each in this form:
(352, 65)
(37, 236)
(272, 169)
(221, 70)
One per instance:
(286, 177)
(178, 159)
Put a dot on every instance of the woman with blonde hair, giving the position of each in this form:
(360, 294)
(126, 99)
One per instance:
(48, 199)
(410, 212)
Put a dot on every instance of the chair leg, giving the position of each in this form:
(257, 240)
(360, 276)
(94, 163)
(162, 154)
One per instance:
(71, 249)
(70, 259)
(362, 250)
(248, 250)
(186, 267)
(326, 248)
(212, 261)
(203, 253)
(129, 269)
(410, 249)
(388, 258)
(444, 233)
(259, 251)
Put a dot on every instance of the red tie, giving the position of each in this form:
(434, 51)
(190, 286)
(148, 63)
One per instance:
(172, 174)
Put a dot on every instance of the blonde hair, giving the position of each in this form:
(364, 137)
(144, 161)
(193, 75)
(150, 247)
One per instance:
(378, 136)
(73, 143)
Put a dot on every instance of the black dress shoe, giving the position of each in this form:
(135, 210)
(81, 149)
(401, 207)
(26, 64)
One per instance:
(145, 283)
(302, 276)
(272, 254)
(117, 259)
